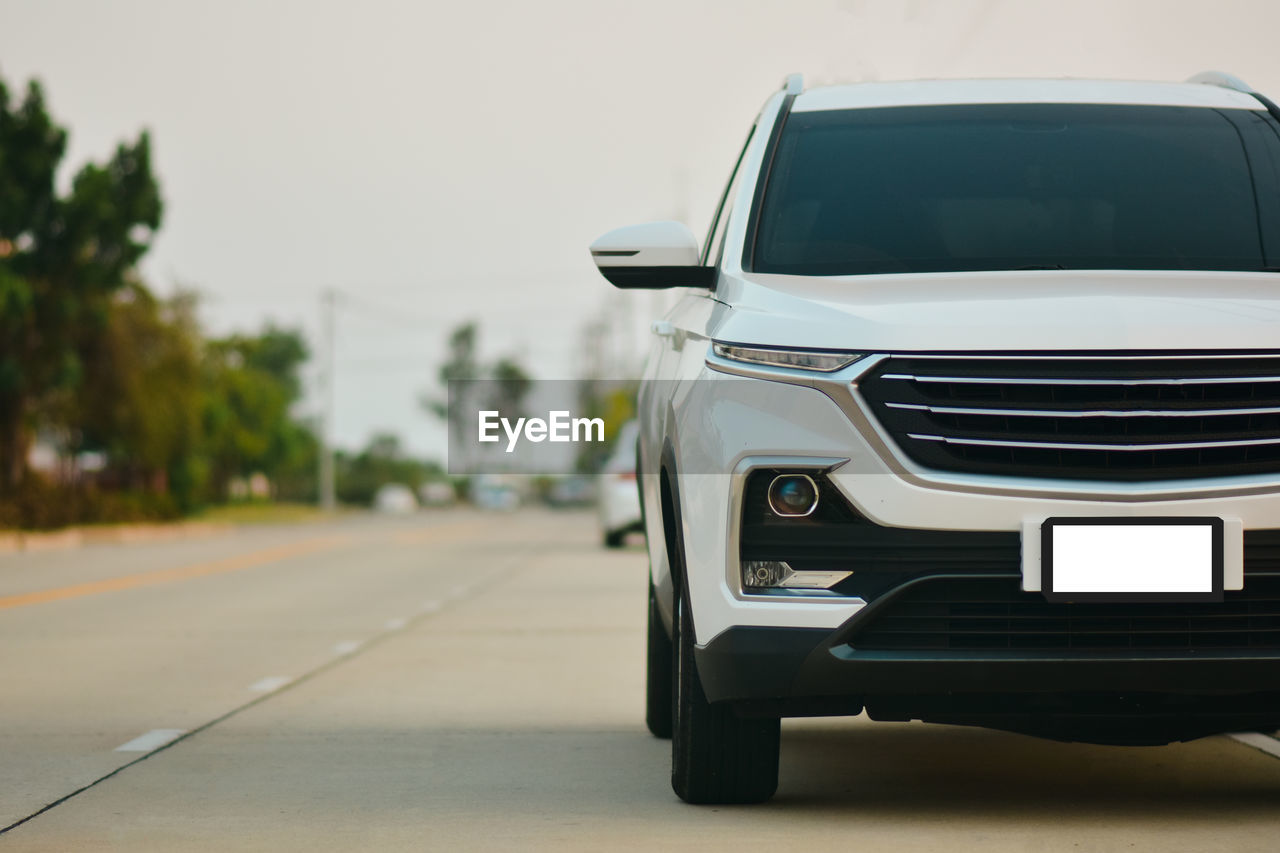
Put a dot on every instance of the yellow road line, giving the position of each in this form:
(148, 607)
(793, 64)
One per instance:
(213, 567)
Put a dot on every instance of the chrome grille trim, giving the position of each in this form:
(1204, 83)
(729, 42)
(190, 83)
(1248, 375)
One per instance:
(1093, 356)
(1112, 418)
(1096, 413)
(1079, 382)
(1050, 445)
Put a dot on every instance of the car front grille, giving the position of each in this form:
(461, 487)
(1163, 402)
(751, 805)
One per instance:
(1119, 418)
(977, 614)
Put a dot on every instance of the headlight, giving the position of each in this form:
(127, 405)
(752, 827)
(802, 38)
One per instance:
(824, 361)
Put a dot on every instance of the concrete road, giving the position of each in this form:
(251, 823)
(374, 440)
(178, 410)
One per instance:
(468, 681)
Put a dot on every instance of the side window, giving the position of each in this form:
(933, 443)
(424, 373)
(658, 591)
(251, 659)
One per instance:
(714, 245)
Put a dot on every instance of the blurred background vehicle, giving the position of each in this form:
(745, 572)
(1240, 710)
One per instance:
(495, 492)
(437, 493)
(618, 501)
(395, 499)
(573, 491)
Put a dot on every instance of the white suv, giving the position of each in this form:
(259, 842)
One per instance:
(971, 414)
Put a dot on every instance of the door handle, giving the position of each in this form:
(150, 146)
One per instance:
(663, 329)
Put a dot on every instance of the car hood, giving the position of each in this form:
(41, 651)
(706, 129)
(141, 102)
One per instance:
(1004, 311)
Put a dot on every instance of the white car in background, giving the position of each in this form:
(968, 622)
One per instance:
(970, 414)
(395, 499)
(618, 495)
(438, 493)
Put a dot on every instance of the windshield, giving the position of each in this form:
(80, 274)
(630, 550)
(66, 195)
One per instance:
(1020, 186)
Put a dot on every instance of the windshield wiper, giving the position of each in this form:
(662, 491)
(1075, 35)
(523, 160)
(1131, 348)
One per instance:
(1040, 267)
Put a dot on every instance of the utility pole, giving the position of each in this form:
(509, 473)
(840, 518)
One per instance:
(328, 301)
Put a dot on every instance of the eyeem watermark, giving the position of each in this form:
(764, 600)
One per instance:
(558, 427)
(551, 427)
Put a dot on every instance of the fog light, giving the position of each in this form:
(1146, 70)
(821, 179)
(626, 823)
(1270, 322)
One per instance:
(775, 574)
(764, 573)
(793, 495)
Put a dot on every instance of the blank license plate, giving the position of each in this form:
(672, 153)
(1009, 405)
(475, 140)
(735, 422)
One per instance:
(1132, 559)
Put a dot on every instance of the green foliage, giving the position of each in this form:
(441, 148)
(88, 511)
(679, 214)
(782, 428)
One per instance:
(172, 417)
(102, 369)
(252, 385)
(509, 387)
(510, 382)
(166, 406)
(615, 402)
(140, 402)
(294, 477)
(275, 352)
(39, 504)
(461, 363)
(61, 260)
(382, 461)
(31, 147)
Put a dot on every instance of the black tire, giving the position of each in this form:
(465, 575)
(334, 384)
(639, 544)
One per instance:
(615, 538)
(657, 694)
(716, 756)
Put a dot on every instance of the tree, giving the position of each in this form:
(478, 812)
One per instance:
(469, 384)
(61, 260)
(460, 365)
(252, 384)
(278, 353)
(508, 386)
(382, 461)
(140, 404)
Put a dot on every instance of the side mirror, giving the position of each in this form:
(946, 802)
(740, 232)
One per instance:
(653, 255)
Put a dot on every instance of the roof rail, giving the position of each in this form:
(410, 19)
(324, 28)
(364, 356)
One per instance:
(1220, 78)
(793, 84)
(1229, 81)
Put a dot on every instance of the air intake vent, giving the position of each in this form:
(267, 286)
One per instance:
(1129, 418)
(974, 614)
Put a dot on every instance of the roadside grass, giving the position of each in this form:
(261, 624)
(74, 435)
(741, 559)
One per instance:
(261, 513)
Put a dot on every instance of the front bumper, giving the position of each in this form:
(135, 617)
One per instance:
(1220, 671)
(1136, 699)
(800, 671)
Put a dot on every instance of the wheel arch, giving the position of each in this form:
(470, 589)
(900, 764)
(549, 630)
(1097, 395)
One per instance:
(672, 536)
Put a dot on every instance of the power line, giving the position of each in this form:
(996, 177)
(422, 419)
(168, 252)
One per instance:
(370, 309)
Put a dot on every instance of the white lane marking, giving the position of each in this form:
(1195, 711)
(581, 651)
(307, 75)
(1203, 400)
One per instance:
(1257, 740)
(153, 739)
(396, 624)
(346, 647)
(270, 683)
(430, 606)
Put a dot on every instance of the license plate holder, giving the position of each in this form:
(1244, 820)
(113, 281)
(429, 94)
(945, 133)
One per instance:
(1125, 559)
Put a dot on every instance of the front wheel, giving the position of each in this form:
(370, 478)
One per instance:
(716, 756)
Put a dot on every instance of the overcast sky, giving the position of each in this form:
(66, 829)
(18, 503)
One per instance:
(438, 162)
